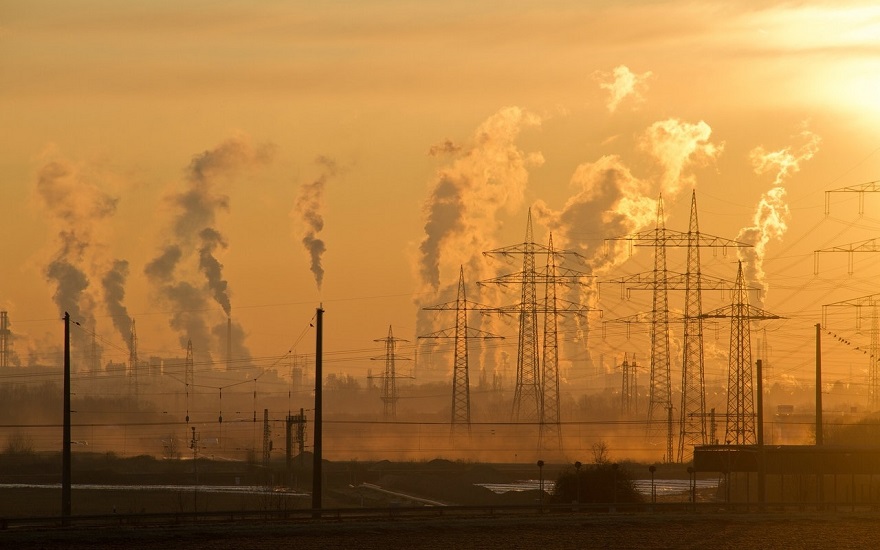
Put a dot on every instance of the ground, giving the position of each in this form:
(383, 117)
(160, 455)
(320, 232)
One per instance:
(642, 531)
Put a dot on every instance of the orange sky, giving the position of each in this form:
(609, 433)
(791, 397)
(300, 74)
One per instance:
(110, 102)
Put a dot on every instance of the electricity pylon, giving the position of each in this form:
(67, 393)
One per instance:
(529, 392)
(550, 425)
(869, 245)
(629, 391)
(871, 302)
(389, 379)
(541, 386)
(740, 383)
(693, 386)
(692, 426)
(461, 397)
(861, 189)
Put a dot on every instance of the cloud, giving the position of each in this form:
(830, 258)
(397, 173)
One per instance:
(622, 83)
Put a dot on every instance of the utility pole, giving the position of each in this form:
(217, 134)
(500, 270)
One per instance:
(194, 445)
(819, 427)
(317, 455)
(188, 376)
(762, 469)
(65, 438)
(267, 446)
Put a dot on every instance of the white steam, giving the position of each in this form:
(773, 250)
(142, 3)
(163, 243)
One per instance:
(622, 83)
(770, 220)
(678, 146)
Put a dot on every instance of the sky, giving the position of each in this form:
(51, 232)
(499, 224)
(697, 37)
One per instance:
(174, 162)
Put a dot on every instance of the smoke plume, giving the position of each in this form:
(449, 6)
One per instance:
(195, 238)
(677, 146)
(308, 209)
(479, 179)
(213, 269)
(785, 161)
(772, 213)
(622, 83)
(608, 200)
(114, 294)
(77, 210)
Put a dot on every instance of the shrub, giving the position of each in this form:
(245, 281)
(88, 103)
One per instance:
(599, 483)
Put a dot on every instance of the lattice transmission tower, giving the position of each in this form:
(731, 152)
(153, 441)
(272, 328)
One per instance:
(536, 396)
(527, 391)
(740, 382)
(461, 333)
(860, 189)
(531, 394)
(390, 376)
(629, 390)
(869, 245)
(550, 427)
(692, 412)
(871, 303)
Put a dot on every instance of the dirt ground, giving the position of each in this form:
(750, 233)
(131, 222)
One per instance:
(643, 532)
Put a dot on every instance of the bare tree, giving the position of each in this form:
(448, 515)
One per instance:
(600, 453)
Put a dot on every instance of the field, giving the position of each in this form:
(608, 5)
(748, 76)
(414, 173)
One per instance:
(711, 527)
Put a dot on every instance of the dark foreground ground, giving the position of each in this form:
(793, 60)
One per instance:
(643, 532)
